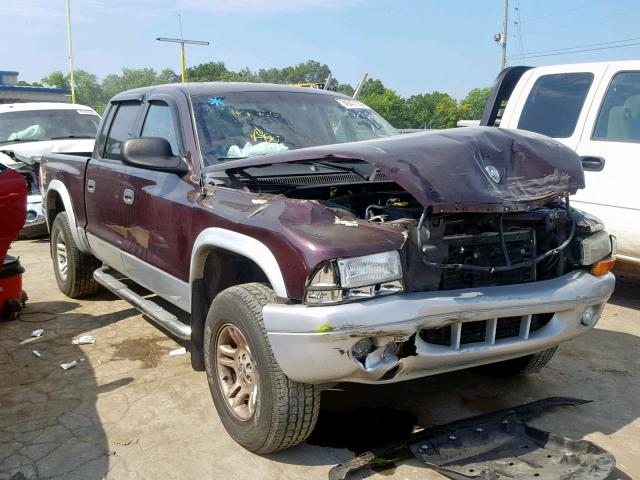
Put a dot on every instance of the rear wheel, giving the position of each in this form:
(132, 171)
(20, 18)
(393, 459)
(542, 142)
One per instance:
(520, 367)
(73, 269)
(261, 409)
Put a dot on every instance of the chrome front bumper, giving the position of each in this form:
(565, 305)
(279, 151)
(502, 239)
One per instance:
(314, 344)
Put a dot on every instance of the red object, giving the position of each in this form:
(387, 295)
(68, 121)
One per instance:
(13, 207)
(10, 287)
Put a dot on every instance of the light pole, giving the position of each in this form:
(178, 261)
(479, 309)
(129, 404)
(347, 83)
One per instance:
(72, 83)
(182, 42)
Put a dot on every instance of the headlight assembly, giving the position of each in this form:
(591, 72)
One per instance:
(355, 278)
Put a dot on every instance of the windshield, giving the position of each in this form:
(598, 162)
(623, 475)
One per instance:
(37, 125)
(247, 124)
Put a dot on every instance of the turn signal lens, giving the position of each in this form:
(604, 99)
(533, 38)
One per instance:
(603, 266)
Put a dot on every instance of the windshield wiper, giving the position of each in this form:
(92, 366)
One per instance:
(343, 169)
(71, 136)
(227, 159)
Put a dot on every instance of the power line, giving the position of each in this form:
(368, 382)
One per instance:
(563, 12)
(579, 51)
(582, 46)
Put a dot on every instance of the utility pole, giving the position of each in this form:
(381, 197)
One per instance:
(182, 41)
(360, 85)
(72, 83)
(505, 33)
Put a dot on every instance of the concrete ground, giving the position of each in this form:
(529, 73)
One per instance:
(132, 411)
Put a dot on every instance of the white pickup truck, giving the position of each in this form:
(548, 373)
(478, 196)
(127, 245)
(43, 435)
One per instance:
(593, 108)
(29, 130)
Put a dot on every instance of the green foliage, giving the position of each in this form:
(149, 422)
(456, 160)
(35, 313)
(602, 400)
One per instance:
(426, 110)
(472, 107)
(386, 102)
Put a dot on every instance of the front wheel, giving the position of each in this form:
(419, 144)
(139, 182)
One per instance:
(262, 409)
(520, 367)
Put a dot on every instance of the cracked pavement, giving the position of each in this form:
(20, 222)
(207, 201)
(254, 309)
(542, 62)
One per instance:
(131, 411)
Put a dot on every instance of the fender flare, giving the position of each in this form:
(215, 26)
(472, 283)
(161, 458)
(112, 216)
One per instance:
(242, 245)
(77, 233)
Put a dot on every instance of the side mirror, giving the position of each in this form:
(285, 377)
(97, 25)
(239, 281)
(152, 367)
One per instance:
(153, 153)
(592, 164)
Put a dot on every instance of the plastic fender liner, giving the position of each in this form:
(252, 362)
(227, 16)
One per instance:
(495, 446)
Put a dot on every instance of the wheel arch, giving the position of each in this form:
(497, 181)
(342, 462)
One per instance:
(57, 199)
(228, 246)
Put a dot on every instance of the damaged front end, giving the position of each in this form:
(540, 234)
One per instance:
(475, 214)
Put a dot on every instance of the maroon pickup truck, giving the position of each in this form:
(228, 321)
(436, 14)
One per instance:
(311, 244)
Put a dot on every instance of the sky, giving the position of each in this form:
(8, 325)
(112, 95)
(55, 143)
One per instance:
(413, 46)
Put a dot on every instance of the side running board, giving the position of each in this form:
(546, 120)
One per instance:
(152, 310)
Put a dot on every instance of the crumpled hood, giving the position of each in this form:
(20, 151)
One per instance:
(472, 169)
(25, 150)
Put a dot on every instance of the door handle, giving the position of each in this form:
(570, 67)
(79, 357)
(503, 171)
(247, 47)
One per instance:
(91, 186)
(592, 164)
(127, 196)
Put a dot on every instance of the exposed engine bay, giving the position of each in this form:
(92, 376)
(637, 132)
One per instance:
(462, 250)
(478, 207)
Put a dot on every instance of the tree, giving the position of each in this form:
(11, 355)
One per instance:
(56, 79)
(207, 72)
(22, 83)
(385, 101)
(88, 89)
(345, 88)
(130, 78)
(472, 107)
(167, 76)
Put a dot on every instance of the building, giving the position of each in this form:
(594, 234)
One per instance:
(11, 92)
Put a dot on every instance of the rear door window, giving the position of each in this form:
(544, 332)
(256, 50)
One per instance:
(122, 129)
(619, 117)
(555, 103)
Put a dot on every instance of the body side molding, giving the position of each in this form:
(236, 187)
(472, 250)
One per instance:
(241, 244)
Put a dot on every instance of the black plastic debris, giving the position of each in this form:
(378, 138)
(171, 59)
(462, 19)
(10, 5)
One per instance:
(495, 446)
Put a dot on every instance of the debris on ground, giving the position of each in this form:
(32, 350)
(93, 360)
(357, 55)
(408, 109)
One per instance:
(495, 446)
(37, 354)
(69, 365)
(84, 340)
(37, 332)
(178, 351)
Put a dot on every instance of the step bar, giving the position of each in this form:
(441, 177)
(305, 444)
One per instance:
(155, 312)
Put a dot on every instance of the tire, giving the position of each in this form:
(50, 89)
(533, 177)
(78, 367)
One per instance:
(520, 367)
(285, 412)
(76, 280)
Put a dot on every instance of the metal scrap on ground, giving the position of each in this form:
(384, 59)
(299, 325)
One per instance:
(495, 446)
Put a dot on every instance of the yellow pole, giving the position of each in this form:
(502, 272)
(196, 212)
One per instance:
(71, 81)
(183, 62)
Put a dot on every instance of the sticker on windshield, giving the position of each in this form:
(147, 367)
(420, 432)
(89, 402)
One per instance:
(216, 102)
(260, 134)
(350, 103)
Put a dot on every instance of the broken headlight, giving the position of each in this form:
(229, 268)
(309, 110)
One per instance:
(356, 278)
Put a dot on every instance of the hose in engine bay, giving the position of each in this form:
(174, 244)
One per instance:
(505, 268)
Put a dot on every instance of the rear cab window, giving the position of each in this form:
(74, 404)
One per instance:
(619, 116)
(554, 104)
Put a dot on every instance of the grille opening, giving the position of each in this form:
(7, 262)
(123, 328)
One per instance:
(508, 327)
(437, 336)
(539, 320)
(473, 332)
(476, 332)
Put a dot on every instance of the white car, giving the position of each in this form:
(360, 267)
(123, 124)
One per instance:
(594, 108)
(29, 130)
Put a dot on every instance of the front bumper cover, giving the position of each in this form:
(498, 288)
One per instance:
(314, 344)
